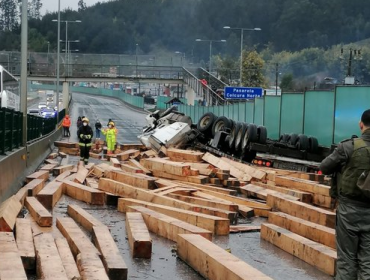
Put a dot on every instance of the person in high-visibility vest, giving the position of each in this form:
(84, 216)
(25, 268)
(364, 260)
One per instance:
(110, 137)
(66, 125)
(85, 135)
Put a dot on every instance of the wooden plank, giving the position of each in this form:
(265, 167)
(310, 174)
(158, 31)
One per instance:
(50, 161)
(49, 167)
(218, 162)
(115, 162)
(90, 166)
(40, 214)
(83, 193)
(213, 262)
(169, 167)
(322, 201)
(49, 263)
(303, 196)
(128, 154)
(114, 264)
(244, 228)
(138, 146)
(92, 183)
(128, 191)
(302, 185)
(166, 226)
(226, 205)
(200, 179)
(138, 236)
(53, 156)
(86, 254)
(302, 210)
(11, 266)
(60, 169)
(261, 193)
(216, 225)
(315, 232)
(184, 155)
(35, 186)
(137, 164)
(9, 211)
(63, 152)
(130, 169)
(21, 195)
(82, 217)
(81, 173)
(64, 155)
(254, 172)
(25, 244)
(210, 188)
(136, 180)
(38, 175)
(50, 194)
(63, 176)
(318, 255)
(65, 144)
(68, 261)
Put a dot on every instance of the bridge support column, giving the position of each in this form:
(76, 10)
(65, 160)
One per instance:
(65, 96)
(190, 95)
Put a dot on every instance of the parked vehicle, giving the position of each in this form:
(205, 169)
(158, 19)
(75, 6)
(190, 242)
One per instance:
(48, 113)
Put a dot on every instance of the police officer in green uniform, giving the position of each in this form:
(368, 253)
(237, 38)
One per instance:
(349, 161)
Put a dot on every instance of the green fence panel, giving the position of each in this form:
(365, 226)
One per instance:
(235, 112)
(258, 111)
(350, 103)
(249, 111)
(272, 116)
(161, 100)
(291, 118)
(196, 114)
(319, 116)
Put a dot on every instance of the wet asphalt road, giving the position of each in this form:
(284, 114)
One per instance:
(164, 264)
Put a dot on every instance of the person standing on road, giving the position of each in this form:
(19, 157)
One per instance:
(85, 135)
(66, 125)
(110, 137)
(350, 162)
(98, 127)
(79, 122)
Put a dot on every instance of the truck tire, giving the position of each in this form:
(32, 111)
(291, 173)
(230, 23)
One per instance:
(239, 136)
(262, 134)
(293, 138)
(313, 144)
(205, 123)
(221, 123)
(249, 136)
(284, 138)
(233, 134)
(302, 142)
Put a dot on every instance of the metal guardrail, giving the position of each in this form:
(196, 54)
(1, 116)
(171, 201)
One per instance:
(11, 123)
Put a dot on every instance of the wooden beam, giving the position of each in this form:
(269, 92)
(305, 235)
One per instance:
(11, 266)
(315, 232)
(49, 263)
(167, 226)
(136, 180)
(63, 168)
(139, 146)
(216, 225)
(318, 255)
(302, 185)
(38, 175)
(83, 193)
(138, 236)
(82, 173)
(49, 167)
(40, 214)
(9, 211)
(25, 244)
(244, 228)
(50, 161)
(261, 193)
(163, 165)
(135, 163)
(114, 264)
(184, 155)
(21, 195)
(210, 188)
(252, 171)
(213, 262)
(63, 176)
(82, 217)
(128, 154)
(66, 256)
(35, 186)
(303, 196)
(128, 191)
(200, 179)
(130, 169)
(302, 210)
(50, 194)
(63, 144)
(115, 162)
(86, 254)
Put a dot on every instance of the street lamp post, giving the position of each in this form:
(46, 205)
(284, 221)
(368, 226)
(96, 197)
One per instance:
(210, 49)
(241, 45)
(181, 57)
(137, 45)
(68, 49)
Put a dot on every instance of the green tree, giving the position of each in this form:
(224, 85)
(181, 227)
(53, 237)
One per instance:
(227, 68)
(81, 5)
(34, 7)
(253, 65)
(287, 82)
(9, 13)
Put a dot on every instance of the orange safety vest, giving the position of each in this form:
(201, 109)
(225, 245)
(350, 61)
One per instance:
(66, 122)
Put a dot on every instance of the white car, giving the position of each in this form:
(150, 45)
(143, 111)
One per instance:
(42, 105)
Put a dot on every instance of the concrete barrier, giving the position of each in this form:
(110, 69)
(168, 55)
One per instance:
(16, 166)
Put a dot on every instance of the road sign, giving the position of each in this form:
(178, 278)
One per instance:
(242, 92)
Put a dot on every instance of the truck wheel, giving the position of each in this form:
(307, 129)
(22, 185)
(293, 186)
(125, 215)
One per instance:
(249, 136)
(293, 138)
(262, 134)
(284, 138)
(205, 123)
(302, 142)
(233, 134)
(221, 123)
(313, 144)
(240, 135)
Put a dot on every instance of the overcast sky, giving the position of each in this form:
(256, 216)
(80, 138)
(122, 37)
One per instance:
(52, 5)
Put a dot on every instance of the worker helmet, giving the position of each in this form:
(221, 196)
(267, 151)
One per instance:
(85, 120)
(111, 123)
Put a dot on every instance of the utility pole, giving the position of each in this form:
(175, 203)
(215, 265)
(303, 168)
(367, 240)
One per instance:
(349, 69)
(276, 77)
(24, 47)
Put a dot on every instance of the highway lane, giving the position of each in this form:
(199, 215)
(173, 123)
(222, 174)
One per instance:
(128, 121)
